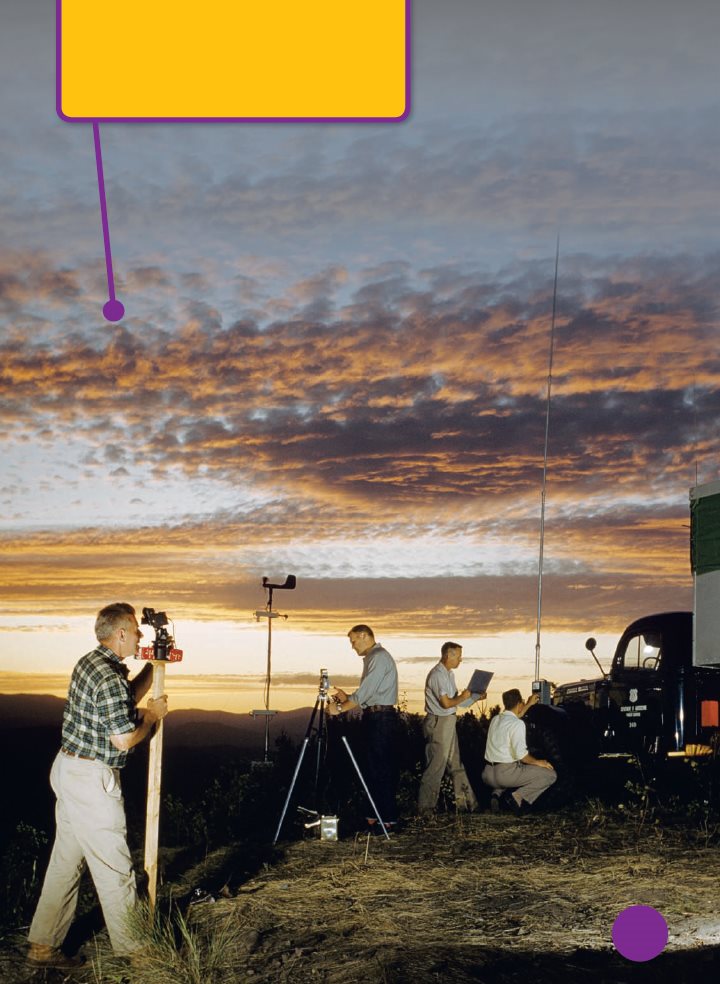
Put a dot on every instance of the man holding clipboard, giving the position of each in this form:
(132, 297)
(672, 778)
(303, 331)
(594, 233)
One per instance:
(441, 750)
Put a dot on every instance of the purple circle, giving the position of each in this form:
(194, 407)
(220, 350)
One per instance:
(113, 311)
(640, 933)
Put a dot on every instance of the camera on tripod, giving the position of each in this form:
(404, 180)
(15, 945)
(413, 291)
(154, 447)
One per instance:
(324, 684)
(163, 646)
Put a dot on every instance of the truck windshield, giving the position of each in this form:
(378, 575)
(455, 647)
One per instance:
(642, 653)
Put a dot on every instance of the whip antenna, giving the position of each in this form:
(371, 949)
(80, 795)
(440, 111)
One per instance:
(545, 463)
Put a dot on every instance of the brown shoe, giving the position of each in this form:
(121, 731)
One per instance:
(43, 955)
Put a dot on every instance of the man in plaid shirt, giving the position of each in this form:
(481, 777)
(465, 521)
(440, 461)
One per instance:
(101, 723)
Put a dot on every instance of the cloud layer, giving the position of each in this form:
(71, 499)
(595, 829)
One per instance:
(335, 355)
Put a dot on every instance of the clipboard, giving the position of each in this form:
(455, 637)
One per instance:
(480, 681)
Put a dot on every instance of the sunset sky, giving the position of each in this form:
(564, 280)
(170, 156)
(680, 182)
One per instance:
(335, 353)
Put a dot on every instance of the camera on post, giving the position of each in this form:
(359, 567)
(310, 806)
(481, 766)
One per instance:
(163, 646)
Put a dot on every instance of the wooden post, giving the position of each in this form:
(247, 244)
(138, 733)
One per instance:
(152, 823)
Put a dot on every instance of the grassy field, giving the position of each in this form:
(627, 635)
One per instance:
(470, 898)
(480, 897)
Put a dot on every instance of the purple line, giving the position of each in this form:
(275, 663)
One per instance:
(103, 211)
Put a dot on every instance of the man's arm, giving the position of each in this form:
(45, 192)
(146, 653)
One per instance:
(448, 702)
(142, 682)
(517, 745)
(470, 699)
(149, 716)
(339, 705)
(530, 702)
(531, 760)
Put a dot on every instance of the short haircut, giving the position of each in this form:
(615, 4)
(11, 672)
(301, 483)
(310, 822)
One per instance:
(362, 628)
(112, 617)
(447, 646)
(511, 698)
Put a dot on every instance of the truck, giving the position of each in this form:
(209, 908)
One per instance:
(661, 694)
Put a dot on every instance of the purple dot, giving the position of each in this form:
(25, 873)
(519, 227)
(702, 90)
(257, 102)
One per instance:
(639, 933)
(113, 311)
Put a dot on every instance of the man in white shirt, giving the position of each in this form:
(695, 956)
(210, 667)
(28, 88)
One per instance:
(441, 750)
(512, 772)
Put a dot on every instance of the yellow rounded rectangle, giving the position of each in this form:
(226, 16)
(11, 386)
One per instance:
(233, 59)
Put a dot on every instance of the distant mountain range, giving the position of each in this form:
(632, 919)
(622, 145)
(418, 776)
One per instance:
(195, 744)
(195, 728)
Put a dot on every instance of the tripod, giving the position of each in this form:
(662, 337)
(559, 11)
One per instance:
(321, 739)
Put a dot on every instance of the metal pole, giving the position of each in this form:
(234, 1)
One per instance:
(267, 678)
(545, 463)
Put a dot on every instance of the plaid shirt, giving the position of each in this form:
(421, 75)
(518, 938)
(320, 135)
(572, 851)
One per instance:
(100, 703)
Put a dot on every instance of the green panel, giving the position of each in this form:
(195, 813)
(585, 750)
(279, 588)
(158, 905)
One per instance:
(705, 534)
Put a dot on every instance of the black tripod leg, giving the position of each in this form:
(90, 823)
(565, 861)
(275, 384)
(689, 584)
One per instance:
(292, 787)
(364, 785)
(319, 752)
(297, 768)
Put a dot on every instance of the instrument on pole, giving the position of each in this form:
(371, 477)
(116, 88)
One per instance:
(268, 613)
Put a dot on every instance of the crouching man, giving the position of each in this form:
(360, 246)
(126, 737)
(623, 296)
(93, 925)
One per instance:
(509, 766)
(100, 725)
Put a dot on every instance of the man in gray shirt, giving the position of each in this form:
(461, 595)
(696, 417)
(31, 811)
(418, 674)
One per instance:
(441, 750)
(377, 695)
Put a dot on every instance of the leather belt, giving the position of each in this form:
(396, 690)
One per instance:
(76, 755)
(376, 708)
(498, 763)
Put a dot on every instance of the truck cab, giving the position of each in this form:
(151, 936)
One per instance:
(653, 700)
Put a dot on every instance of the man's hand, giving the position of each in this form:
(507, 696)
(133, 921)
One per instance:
(527, 704)
(340, 696)
(333, 709)
(464, 695)
(157, 707)
(155, 711)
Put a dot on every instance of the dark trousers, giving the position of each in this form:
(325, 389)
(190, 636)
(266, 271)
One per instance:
(382, 769)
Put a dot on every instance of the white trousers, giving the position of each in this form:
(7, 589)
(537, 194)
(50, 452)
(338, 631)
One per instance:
(531, 780)
(91, 829)
(442, 754)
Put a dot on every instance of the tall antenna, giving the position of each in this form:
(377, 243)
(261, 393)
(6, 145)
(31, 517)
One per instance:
(545, 463)
(696, 434)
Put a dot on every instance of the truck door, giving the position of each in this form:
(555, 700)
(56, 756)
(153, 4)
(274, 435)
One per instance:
(636, 690)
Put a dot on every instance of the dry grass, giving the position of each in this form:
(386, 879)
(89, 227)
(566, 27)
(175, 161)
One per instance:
(482, 898)
(364, 910)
